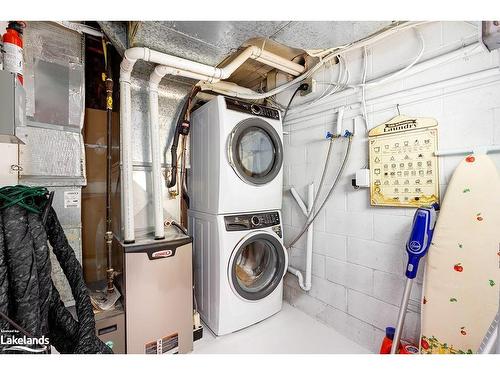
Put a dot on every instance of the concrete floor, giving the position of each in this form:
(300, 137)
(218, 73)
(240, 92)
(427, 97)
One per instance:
(289, 332)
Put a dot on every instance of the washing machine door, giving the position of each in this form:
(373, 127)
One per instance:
(257, 265)
(255, 151)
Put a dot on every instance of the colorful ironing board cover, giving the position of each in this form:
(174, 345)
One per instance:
(462, 276)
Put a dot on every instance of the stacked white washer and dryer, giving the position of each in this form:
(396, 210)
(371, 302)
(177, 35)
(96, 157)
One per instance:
(235, 189)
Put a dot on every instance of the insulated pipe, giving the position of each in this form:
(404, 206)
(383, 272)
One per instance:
(309, 242)
(176, 66)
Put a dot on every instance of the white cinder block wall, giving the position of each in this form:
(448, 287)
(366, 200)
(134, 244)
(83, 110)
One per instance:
(358, 250)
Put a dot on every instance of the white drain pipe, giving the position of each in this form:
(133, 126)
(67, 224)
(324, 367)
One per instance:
(175, 66)
(309, 244)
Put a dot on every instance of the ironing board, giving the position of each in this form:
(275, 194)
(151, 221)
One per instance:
(462, 276)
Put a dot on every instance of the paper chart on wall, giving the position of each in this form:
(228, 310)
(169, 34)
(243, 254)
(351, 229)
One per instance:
(403, 168)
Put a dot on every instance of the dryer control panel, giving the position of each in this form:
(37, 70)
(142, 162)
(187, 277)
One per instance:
(251, 221)
(252, 109)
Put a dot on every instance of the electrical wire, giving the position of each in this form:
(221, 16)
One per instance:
(334, 185)
(301, 87)
(364, 85)
(339, 85)
(401, 71)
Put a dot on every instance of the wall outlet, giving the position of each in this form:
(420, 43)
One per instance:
(312, 87)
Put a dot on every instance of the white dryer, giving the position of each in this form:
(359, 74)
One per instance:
(236, 157)
(239, 264)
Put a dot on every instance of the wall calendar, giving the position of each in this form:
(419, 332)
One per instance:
(403, 167)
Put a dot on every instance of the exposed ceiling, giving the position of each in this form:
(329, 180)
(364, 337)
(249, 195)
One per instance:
(211, 42)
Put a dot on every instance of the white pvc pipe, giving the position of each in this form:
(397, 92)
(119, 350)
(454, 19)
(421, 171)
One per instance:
(305, 285)
(299, 201)
(464, 151)
(175, 66)
(154, 137)
(309, 238)
(127, 196)
(280, 63)
(340, 120)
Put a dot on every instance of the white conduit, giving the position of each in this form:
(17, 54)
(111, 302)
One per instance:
(171, 65)
(309, 244)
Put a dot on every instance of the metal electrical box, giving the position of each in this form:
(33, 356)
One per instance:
(12, 107)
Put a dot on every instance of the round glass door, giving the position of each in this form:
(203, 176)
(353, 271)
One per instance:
(256, 151)
(257, 266)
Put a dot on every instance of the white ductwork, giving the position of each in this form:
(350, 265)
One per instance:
(169, 65)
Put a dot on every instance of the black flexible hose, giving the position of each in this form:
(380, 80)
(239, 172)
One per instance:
(177, 133)
(180, 227)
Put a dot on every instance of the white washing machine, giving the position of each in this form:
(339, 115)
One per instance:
(236, 157)
(239, 264)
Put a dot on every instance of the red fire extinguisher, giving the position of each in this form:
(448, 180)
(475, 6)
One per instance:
(13, 49)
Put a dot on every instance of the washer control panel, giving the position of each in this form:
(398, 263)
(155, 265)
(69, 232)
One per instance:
(253, 109)
(251, 221)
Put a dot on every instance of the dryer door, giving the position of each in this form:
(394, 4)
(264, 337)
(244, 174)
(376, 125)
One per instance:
(255, 151)
(257, 266)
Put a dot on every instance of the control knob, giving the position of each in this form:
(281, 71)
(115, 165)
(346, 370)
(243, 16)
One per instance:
(256, 110)
(255, 220)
